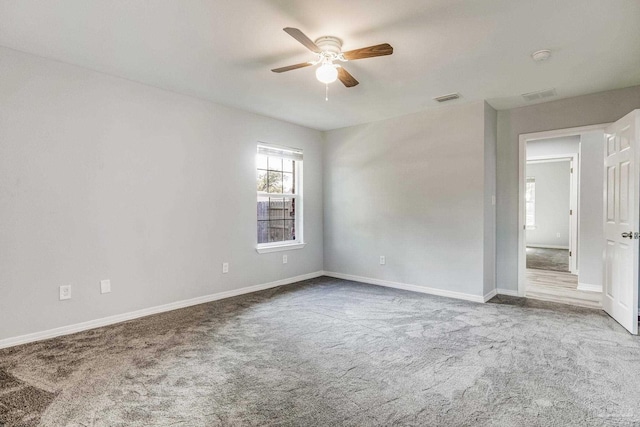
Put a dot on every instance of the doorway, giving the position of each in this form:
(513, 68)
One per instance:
(561, 216)
(608, 216)
(551, 219)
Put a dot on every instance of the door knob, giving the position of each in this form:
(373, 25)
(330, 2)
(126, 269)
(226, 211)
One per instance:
(628, 235)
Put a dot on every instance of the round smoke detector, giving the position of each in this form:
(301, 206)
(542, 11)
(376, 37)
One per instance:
(541, 55)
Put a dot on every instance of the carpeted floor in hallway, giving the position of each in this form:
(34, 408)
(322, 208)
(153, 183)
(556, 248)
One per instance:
(328, 352)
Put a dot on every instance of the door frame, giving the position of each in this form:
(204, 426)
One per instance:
(522, 164)
(574, 163)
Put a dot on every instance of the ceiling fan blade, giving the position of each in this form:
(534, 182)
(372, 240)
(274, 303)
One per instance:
(291, 67)
(302, 38)
(347, 79)
(369, 52)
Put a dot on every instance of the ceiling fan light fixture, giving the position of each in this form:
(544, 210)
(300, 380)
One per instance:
(327, 73)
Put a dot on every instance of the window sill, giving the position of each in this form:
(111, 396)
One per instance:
(278, 248)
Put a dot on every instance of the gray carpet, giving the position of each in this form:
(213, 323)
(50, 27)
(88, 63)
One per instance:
(328, 352)
(548, 259)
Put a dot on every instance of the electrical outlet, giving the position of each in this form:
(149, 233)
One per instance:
(383, 260)
(105, 286)
(557, 234)
(284, 259)
(65, 292)
(225, 267)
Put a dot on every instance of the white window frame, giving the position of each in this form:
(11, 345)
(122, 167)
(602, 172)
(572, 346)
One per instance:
(295, 154)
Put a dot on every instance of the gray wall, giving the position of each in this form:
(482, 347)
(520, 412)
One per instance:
(591, 109)
(553, 189)
(412, 189)
(103, 178)
(554, 146)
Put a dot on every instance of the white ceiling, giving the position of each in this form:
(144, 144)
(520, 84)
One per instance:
(223, 50)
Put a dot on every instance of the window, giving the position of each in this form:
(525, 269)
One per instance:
(279, 196)
(530, 202)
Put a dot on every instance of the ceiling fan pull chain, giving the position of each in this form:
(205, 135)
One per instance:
(326, 91)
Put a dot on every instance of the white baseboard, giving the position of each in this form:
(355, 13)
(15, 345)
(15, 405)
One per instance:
(407, 287)
(490, 295)
(105, 321)
(589, 287)
(510, 292)
(547, 246)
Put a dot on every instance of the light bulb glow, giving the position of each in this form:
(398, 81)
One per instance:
(327, 73)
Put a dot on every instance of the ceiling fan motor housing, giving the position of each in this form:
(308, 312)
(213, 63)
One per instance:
(329, 44)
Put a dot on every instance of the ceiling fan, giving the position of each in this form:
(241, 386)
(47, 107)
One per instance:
(329, 49)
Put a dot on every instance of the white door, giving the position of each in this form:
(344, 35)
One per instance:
(621, 221)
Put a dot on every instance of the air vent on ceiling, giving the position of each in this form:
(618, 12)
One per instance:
(532, 96)
(449, 97)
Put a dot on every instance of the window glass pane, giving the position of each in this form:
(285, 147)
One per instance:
(275, 164)
(262, 181)
(530, 205)
(290, 209)
(281, 213)
(274, 180)
(287, 165)
(263, 231)
(263, 208)
(530, 193)
(276, 208)
(276, 231)
(261, 161)
(287, 183)
(289, 230)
